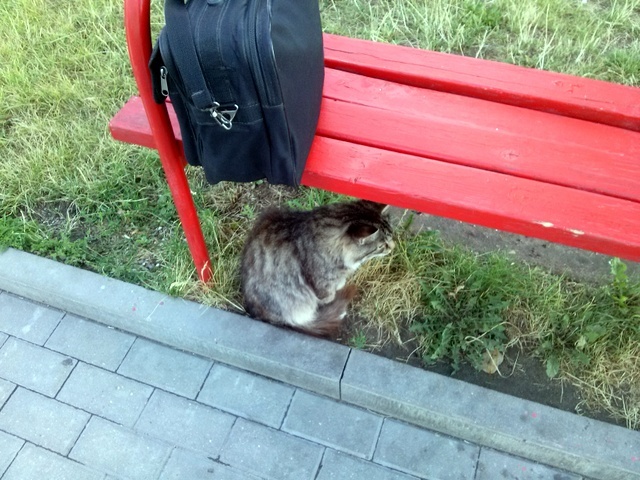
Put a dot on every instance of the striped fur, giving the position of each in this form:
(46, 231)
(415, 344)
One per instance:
(295, 264)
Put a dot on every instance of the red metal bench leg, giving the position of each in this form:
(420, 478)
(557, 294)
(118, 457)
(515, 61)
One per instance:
(136, 14)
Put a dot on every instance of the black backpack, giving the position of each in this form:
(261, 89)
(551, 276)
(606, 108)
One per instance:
(245, 79)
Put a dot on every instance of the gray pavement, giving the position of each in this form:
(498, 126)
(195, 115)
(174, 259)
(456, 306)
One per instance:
(100, 379)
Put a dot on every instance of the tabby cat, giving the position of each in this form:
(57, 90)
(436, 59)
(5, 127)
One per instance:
(295, 264)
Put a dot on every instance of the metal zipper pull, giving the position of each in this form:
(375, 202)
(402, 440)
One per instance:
(164, 85)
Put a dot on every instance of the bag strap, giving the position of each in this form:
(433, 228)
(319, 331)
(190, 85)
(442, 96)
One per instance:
(179, 33)
(181, 40)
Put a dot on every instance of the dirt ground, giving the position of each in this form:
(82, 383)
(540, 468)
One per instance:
(577, 264)
(522, 376)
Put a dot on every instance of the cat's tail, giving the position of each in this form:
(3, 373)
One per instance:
(330, 317)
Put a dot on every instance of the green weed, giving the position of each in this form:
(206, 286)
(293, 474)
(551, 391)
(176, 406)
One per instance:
(458, 306)
(465, 305)
(313, 198)
(358, 340)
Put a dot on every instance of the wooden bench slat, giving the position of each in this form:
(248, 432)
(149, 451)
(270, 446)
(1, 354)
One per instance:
(468, 131)
(592, 100)
(558, 214)
(580, 154)
(488, 135)
(551, 212)
(130, 124)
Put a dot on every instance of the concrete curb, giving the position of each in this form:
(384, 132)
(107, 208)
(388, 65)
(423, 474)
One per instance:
(533, 431)
(233, 339)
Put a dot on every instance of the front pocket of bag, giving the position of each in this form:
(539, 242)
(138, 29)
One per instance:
(241, 154)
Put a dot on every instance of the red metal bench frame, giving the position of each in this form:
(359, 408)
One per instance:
(526, 151)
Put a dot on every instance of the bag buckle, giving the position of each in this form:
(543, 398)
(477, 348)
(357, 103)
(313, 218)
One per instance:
(224, 115)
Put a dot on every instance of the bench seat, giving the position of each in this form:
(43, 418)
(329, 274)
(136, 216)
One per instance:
(470, 140)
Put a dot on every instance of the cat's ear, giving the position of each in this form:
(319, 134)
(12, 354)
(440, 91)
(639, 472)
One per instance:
(361, 232)
(381, 208)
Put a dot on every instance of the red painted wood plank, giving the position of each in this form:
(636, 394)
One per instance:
(558, 214)
(467, 131)
(130, 124)
(492, 136)
(567, 95)
(554, 213)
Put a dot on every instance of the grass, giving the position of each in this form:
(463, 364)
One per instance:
(71, 193)
(463, 306)
(593, 39)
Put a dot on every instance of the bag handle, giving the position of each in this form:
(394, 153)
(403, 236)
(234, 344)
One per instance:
(180, 40)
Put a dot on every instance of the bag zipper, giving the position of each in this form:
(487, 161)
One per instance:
(259, 62)
(164, 85)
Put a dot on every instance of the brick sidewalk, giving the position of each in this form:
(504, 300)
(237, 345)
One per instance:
(83, 400)
(80, 400)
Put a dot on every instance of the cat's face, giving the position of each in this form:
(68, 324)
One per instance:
(367, 236)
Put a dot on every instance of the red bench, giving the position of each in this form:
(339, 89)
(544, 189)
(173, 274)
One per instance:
(536, 153)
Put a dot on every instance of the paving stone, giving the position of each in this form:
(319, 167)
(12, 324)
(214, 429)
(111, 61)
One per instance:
(246, 395)
(424, 453)
(166, 368)
(42, 420)
(90, 342)
(6, 388)
(338, 466)
(34, 367)
(106, 394)
(492, 465)
(27, 320)
(298, 359)
(442, 404)
(183, 465)
(269, 453)
(333, 424)
(290, 357)
(9, 448)
(486, 417)
(117, 450)
(186, 423)
(35, 463)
